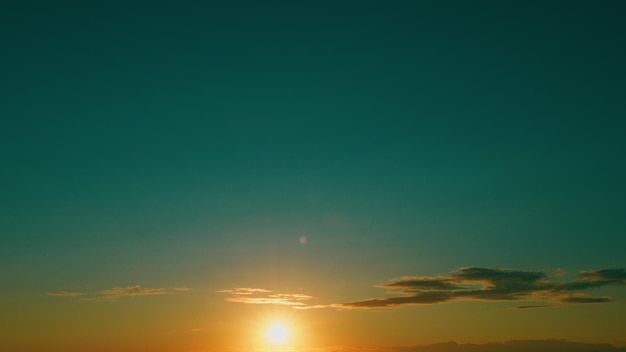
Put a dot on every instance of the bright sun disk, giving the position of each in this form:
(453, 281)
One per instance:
(277, 333)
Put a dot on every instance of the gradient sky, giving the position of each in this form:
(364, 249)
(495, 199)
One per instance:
(176, 175)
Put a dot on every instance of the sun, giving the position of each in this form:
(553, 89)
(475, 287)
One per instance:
(278, 329)
(277, 333)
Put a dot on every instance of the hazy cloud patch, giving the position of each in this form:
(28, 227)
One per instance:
(605, 275)
(492, 284)
(115, 293)
(64, 294)
(181, 289)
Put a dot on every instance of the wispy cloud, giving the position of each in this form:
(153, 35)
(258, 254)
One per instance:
(492, 284)
(262, 296)
(181, 289)
(115, 293)
(64, 294)
(244, 291)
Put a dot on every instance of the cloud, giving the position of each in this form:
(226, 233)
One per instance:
(181, 289)
(540, 289)
(515, 346)
(506, 346)
(533, 306)
(583, 298)
(115, 293)
(262, 296)
(64, 294)
(605, 275)
(244, 291)
(492, 284)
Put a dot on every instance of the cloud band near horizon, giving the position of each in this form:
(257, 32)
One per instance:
(493, 284)
(463, 284)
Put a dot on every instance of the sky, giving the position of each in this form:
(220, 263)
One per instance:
(311, 175)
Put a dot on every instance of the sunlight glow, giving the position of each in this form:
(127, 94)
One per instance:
(277, 333)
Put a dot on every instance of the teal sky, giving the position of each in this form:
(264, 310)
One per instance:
(191, 144)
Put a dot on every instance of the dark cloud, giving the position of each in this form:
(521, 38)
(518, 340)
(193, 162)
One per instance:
(583, 298)
(492, 284)
(418, 283)
(534, 306)
(498, 275)
(427, 297)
